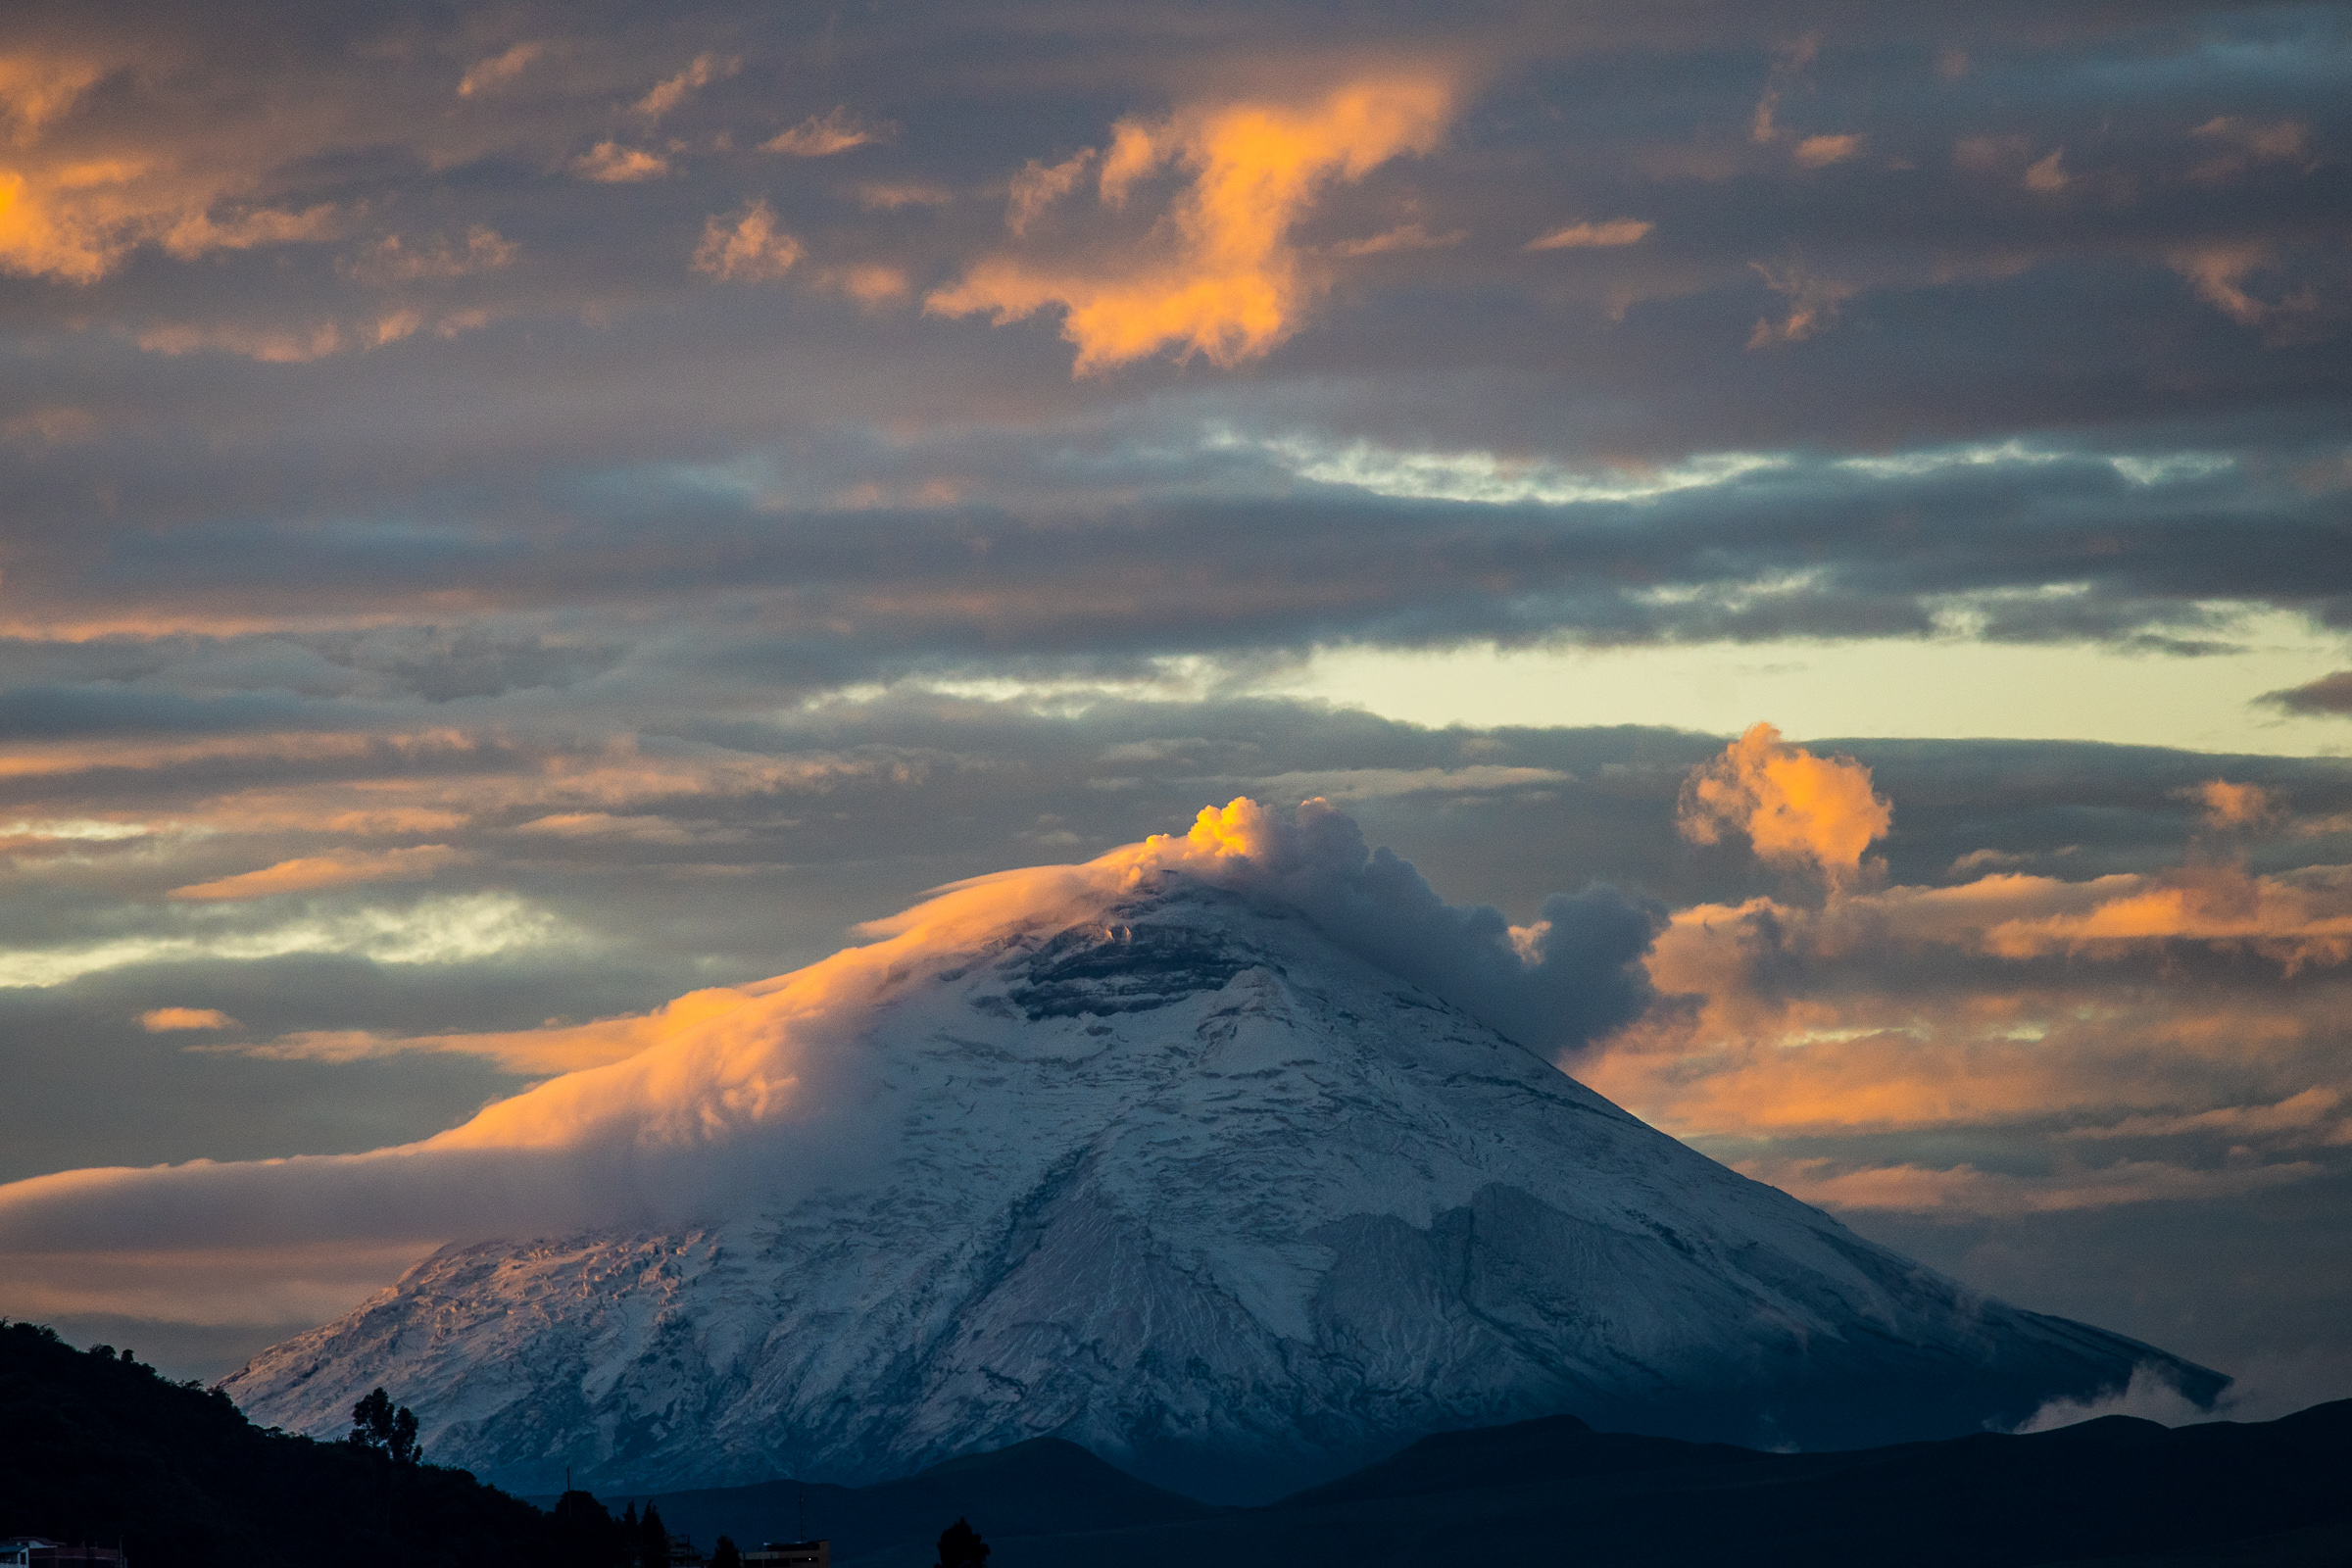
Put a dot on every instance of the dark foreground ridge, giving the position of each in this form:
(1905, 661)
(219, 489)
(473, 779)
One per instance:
(2115, 1492)
(97, 1448)
(1044, 1487)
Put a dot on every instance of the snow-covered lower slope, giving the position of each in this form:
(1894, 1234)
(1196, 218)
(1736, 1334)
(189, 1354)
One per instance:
(1183, 1180)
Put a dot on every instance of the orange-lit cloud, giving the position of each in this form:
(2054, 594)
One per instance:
(272, 345)
(2243, 143)
(294, 1286)
(2220, 273)
(405, 786)
(782, 1067)
(75, 223)
(34, 239)
(1789, 63)
(500, 69)
(1218, 275)
(72, 210)
(1788, 1039)
(34, 90)
(2300, 918)
(1403, 237)
(2238, 806)
(1985, 155)
(608, 162)
(393, 261)
(1813, 304)
(1797, 809)
(1966, 1189)
(55, 426)
(872, 284)
(633, 829)
(889, 196)
(315, 872)
(163, 1020)
(197, 233)
(672, 91)
(2315, 1116)
(2296, 918)
(2047, 175)
(1590, 236)
(1818, 152)
(746, 247)
(552, 1048)
(1910, 1010)
(62, 761)
(823, 135)
(1039, 186)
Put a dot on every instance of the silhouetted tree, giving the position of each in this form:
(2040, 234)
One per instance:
(381, 1427)
(590, 1537)
(99, 1449)
(580, 1508)
(653, 1550)
(724, 1555)
(960, 1546)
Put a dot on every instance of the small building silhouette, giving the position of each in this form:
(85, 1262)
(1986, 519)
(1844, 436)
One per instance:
(791, 1554)
(36, 1551)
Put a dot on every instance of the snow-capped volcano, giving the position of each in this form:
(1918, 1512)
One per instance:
(1143, 1154)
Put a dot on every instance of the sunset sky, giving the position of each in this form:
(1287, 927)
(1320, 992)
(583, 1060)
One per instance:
(511, 514)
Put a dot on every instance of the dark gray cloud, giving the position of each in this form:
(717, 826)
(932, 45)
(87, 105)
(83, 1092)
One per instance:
(2329, 694)
(2045, 546)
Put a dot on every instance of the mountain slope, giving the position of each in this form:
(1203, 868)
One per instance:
(1163, 1169)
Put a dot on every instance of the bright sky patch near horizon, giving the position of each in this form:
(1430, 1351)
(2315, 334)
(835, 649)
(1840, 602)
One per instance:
(1925, 688)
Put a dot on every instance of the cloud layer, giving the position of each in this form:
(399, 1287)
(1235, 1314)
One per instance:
(1218, 274)
(767, 1086)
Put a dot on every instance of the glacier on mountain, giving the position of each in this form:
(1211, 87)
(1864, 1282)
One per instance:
(1168, 1154)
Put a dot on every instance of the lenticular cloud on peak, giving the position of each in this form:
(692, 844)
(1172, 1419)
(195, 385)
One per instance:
(1219, 1155)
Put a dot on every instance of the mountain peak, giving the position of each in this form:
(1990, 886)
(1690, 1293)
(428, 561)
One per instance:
(1160, 1166)
(1144, 953)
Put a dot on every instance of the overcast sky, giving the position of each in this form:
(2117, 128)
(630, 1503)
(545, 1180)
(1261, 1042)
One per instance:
(516, 513)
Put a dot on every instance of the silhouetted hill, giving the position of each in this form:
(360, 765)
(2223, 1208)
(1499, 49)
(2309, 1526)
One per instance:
(2117, 1492)
(2320, 1546)
(96, 1447)
(2101, 1490)
(1552, 1449)
(1042, 1486)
